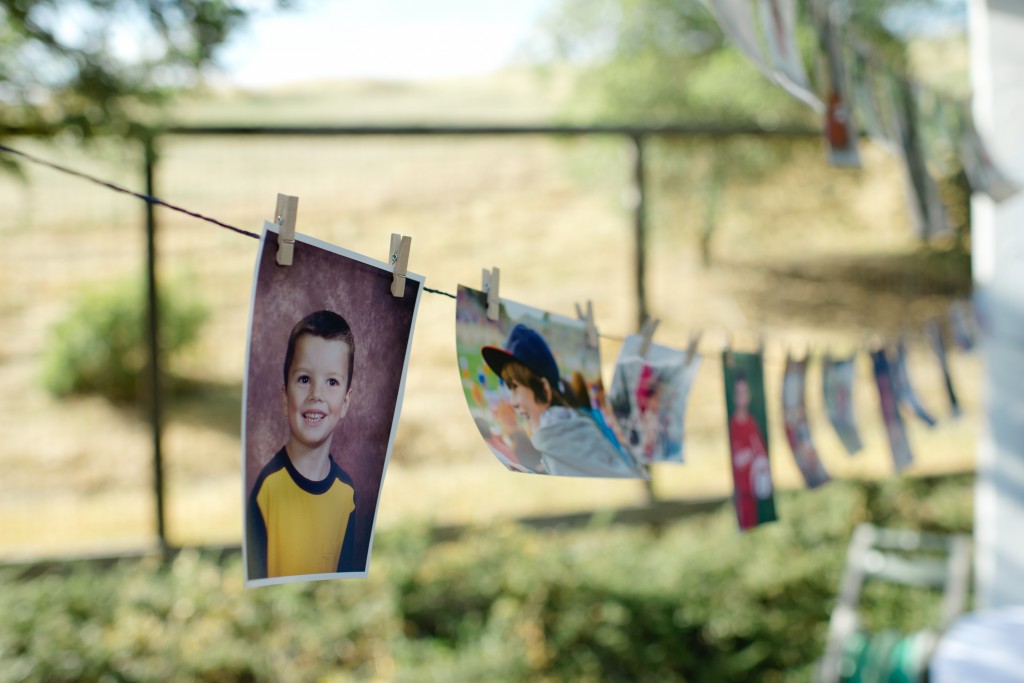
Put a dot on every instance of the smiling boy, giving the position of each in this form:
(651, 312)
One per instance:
(569, 440)
(300, 515)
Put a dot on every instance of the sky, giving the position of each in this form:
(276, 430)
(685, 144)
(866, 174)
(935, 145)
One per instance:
(378, 39)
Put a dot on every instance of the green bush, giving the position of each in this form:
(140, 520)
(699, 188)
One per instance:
(692, 601)
(101, 347)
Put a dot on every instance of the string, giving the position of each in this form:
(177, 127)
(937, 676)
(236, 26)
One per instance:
(147, 198)
(118, 188)
(194, 214)
(438, 291)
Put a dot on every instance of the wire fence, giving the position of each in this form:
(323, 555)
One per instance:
(639, 220)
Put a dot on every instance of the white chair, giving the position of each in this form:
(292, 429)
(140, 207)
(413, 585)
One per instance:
(909, 558)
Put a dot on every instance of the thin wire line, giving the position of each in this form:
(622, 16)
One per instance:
(156, 200)
(438, 291)
(117, 188)
(147, 198)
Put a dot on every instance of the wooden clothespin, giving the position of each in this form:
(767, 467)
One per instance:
(284, 217)
(492, 279)
(647, 334)
(691, 347)
(727, 349)
(588, 318)
(399, 259)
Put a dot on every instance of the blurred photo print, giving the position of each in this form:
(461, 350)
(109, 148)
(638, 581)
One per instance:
(737, 21)
(533, 386)
(841, 134)
(753, 491)
(933, 330)
(837, 375)
(865, 100)
(904, 389)
(648, 396)
(798, 432)
(983, 174)
(328, 351)
(778, 27)
(962, 325)
(887, 400)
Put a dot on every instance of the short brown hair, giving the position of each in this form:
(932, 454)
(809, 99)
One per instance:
(517, 373)
(325, 325)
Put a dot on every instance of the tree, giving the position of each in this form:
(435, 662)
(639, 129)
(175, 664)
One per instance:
(90, 66)
(667, 61)
(657, 61)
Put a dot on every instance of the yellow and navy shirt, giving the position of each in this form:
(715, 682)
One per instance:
(295, 525)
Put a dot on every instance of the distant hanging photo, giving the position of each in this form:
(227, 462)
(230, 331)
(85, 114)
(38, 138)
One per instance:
(933, 330)
(841, 134)
(963, 325)
(837, 378)
(532, 381)
(983, 173)
(778, 28)
(327, 357)
(737, 20)
(798, 431)
(904, 389)
(648, 396)
(753, 491)
(888, 402)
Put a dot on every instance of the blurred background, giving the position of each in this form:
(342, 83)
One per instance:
(748, 235)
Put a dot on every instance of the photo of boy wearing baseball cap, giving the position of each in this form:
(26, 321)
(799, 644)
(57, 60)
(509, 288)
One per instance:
(561, 426)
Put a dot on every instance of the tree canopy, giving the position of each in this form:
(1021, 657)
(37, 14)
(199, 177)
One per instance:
(86, 66)
(656, 61)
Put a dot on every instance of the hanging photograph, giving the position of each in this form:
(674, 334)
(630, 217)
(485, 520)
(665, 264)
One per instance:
(798, 431)
(904, 389)
(648, 397)
(753, 491)
(865, 99)
(533, 384)
(841, 135)
(935, 339)
(778, 27)
(983, 173)
(928, 214)
(837, 375)
(737, 21)
(962, 325)
(328, 350)
(898, 443)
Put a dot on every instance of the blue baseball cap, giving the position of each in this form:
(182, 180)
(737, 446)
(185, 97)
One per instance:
(525, 345)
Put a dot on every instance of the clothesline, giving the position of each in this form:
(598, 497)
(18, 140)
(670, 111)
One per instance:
(148, 198)
(221, 224)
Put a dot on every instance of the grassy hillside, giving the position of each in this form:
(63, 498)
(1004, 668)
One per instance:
(510, 96)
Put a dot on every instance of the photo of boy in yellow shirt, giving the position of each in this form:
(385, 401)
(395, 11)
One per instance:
(299, 512)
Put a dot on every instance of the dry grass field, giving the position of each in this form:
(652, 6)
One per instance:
(807, 256)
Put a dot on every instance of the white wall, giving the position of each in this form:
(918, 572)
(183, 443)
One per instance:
(997, 75)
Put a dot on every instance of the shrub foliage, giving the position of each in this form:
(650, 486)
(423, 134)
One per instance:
(101, 346)
(692, 601)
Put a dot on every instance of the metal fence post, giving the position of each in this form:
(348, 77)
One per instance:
(640, 253)
(640, 227)
(152, 310)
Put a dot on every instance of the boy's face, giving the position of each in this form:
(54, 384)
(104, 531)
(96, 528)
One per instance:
(741, 396)
(525, 403)
(317, 393)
